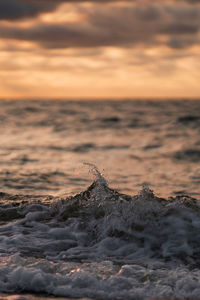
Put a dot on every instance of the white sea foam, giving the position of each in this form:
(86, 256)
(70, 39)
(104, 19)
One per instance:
(102, 244)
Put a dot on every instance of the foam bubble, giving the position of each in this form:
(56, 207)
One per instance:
(102, 244)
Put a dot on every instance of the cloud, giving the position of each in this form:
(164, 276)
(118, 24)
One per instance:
(123, 26)
(177, 42)
(19, 9)
(180, 28)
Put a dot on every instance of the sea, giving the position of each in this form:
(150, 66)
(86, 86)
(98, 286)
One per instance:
(99, 199)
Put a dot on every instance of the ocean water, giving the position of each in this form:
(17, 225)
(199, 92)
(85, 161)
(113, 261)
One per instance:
(99, 200)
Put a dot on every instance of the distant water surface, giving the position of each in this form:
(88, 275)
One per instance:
(68, 231)
(45, 143)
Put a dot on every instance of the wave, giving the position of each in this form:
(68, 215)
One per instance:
(104, 221)
(100, 244)
(191, 155)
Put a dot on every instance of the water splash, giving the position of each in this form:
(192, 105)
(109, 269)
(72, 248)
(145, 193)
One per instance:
(100, 188)
(97, 174)
(100, 243)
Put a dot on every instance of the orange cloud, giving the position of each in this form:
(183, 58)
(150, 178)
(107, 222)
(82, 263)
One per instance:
(80, 50)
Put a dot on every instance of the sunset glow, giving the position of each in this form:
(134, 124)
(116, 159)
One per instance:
(98, 50)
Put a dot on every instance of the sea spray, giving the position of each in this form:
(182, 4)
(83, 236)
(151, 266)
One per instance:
(101, 244)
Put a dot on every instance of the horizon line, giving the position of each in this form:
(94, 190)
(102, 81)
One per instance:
(101, 99)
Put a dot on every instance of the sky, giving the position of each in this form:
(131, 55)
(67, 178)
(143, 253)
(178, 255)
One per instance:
(99, 49)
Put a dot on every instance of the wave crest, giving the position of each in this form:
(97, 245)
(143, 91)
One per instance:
(101, 222)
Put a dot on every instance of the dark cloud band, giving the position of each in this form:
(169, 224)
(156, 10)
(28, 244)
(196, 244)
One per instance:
(19, 9)
(16, 9)
(120, 26)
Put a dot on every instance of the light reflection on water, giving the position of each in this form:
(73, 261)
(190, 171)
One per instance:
(44, 144)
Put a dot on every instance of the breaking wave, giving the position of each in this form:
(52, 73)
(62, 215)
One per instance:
(100, 244)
